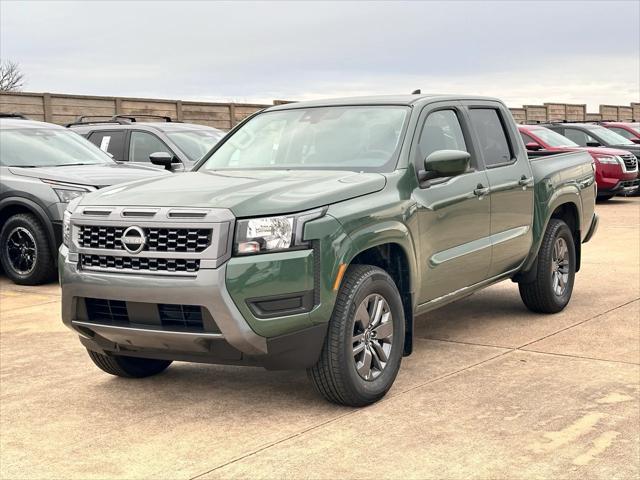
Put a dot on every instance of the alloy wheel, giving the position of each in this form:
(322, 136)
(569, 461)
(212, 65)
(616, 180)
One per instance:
(21, 251)
(560, 266)
(372, 336)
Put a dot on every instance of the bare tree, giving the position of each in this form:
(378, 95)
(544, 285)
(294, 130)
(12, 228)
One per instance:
(11, 77)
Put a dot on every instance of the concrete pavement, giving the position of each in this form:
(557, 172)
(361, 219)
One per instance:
(492, 391)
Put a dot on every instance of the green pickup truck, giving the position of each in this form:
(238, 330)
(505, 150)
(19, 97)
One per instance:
(315, 233)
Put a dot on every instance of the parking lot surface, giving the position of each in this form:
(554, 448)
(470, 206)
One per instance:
(491, 391)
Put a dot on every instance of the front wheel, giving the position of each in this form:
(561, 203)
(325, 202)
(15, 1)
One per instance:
(364, 344)
(128, 367)
(25, 254)
(551, 290)
(604, 198)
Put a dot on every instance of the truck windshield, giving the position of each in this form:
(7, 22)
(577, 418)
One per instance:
(359, 138)
(195, 143)
(47, 147)
(553, 139)
(608, 137)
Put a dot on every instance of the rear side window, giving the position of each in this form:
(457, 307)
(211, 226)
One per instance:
(144, 144)
(492, 137)
(111, 142)
(441, 131)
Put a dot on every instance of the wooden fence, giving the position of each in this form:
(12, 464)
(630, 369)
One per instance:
(63, 108)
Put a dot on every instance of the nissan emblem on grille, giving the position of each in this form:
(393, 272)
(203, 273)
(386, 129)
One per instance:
(133, 239)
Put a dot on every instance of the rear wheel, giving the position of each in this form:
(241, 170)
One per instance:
(551, 290)
(25, 254)
(128, 367)
(363, 348)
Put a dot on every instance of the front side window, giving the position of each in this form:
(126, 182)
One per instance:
(195, 143)
(492, 137)
(578, 136)
(47, 148)
(144, 144)
(441, 131)
(359, 138)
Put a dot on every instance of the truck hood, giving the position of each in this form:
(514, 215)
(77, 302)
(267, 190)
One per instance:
(245, 193)
(95, 175)
(635, 149)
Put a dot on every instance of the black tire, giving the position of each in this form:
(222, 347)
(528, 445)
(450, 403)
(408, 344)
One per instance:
(604, 198)
(41, 268)
(128, 367)
(335, 376)
(541, 296)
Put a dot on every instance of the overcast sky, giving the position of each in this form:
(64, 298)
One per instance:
(524, 52)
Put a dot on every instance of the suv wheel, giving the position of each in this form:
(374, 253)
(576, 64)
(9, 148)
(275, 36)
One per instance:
(551, 290)
(26, 257)
(128, 367)
(364, 344)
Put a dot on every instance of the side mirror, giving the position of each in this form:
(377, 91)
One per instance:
(445, 163)
(593, 143)
(636, 140)
(163, 159)
(533, 146)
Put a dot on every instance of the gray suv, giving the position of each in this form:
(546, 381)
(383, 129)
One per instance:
(175, 145)
(42, 168)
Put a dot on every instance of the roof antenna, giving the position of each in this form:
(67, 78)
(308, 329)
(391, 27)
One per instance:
(416, 92)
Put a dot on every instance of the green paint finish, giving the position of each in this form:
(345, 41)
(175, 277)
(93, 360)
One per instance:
(266, 275)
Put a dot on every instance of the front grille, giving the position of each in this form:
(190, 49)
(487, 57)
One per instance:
(630, 161)
(140, 264)
(181, 318)
(110, 311)
(158, 239)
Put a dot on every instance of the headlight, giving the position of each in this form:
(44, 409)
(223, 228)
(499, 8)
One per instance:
(270, 234)
(609, 159)
(66, 221)
(67, 192)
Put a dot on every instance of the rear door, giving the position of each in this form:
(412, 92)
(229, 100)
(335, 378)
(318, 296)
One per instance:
(453, 213)
(510, 182)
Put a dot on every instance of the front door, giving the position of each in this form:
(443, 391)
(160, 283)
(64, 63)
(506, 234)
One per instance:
(453, 213)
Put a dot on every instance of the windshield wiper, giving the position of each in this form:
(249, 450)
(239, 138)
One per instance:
(73, 164)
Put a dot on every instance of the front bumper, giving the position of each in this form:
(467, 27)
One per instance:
(623, 186)
(233, 341)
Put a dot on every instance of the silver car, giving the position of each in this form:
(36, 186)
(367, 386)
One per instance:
(42, 168)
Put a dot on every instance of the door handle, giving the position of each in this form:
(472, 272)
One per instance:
(481, 190)
(524, 181)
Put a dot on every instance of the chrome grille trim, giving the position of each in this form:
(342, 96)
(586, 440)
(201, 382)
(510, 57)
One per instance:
(630, 162)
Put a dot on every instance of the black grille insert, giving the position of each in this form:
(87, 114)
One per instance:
(141, 264)
(110, 311)
(158, 239)
(185, 317)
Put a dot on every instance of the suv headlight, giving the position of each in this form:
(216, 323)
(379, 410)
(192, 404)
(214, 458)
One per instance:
(68, 191)
(609, 159)
(66, 221)
(272, 234)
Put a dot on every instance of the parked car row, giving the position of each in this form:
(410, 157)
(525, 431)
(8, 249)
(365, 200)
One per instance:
(44, 166)
(615, 156)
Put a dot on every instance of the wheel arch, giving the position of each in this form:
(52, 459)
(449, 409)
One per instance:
(14, 205)
(390, 248)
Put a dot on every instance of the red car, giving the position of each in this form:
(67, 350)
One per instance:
(616, 170)
(626, 129)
